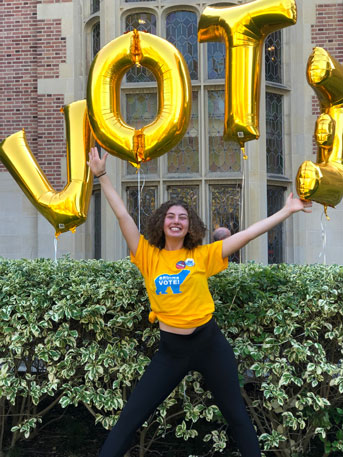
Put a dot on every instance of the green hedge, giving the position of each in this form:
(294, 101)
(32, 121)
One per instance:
(76, 332)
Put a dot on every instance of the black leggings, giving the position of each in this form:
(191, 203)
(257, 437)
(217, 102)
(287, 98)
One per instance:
(207, 351)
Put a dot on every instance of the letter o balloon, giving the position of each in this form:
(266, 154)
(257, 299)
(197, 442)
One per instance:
(103, 97)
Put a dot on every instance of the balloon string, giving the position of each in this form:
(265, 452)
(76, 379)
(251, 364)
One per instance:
(139, 198)
(140, 193)
(55, 246)
(242, 202)
(323, 227)
(241, 216)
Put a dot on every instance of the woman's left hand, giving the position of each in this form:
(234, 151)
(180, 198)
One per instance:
(295, 204)
(240, 239)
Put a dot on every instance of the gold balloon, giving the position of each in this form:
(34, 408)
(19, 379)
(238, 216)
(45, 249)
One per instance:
(67, 209)
(103, 96)
(243, 29)
(322, 182)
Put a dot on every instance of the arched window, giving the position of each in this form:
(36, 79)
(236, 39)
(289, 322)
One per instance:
(275, 156)
(197, 168)
(95, 48)
(95, 39)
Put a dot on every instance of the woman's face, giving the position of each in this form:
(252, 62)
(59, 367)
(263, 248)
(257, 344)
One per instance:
(176, 223)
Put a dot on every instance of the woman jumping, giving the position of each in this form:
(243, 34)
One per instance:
(175, 266)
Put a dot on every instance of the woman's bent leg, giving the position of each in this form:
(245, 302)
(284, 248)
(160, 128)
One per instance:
(158, 381)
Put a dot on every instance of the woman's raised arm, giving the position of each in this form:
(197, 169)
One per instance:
(127, 224)
(240, 239)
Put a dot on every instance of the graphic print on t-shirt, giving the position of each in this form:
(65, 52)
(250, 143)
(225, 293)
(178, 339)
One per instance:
(165, 281)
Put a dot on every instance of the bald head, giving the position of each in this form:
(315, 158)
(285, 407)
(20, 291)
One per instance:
(221, 233)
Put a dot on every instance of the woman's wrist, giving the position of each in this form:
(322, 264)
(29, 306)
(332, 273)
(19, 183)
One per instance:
(287, 212)
(101, 174)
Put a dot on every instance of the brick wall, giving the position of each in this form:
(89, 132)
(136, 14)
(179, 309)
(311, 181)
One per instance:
(33, 49)
(327, 33)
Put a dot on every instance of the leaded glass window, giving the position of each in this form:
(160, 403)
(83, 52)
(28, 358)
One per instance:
(95, 6)
(275, 201)
(95, 48)
(274, 134)
(95, 39)
(182, 32)
(273, 57)
(225, 203)
(189, 194)
(142, 22)
(216, 60)
(141, 109)
(141, 212)
(97, 222)
(224, 156)
(184, 157)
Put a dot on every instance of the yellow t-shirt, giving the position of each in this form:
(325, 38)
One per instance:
(176, 281)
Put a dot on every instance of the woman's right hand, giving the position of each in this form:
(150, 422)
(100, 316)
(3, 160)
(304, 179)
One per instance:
(126, 223)
(97, 164)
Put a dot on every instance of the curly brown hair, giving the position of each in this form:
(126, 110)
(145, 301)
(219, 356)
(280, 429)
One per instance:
(196, 230)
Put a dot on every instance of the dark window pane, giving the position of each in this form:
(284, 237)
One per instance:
(274, 134)
(95, 6)
(141, 109)
(225, 210)
(182, 32)
(95, 39)
(216, 60)
(184, 157)
(275, 201)
(142, 22)
(189, 194)
(224, 156)
(140, 211)
(97, 223)
(273, 58)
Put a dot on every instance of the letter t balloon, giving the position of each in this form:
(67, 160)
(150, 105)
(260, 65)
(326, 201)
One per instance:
(243, 29)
